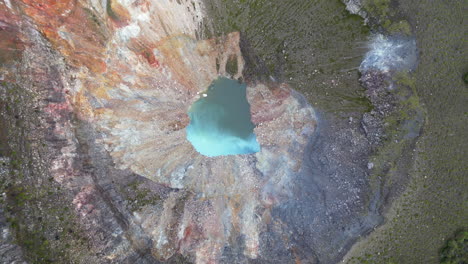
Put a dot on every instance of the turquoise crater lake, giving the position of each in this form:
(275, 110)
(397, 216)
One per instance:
(220, 121)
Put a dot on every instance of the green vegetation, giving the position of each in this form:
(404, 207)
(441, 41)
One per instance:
(433, 205)
(111, 12)
(98, 26)
(45, 233)
(407, 118)
(179, 259)
(456, 249)
(139, 197)
(385, 17)
(35, 207)
(379, 8)
(400, 27)
(231, 66)
(304, 43)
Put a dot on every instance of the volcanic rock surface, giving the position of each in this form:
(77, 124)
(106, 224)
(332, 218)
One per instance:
(99, 93)
(130, 71)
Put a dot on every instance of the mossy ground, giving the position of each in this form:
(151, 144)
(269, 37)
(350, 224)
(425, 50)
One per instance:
(35, 207)
(305, 43)
(455, 250)
(434, 205)
(384, 17)
(137, 196)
